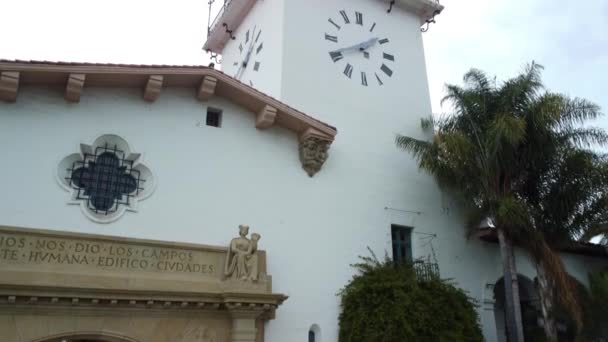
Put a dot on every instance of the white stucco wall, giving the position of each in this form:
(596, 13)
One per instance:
(210, 180)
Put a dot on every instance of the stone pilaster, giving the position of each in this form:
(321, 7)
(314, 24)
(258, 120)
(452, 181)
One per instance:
(244, 326)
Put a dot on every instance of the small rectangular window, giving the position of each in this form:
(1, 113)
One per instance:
(214, 117)
(402, 243)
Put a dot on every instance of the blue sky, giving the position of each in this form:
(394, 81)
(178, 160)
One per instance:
(570, 38)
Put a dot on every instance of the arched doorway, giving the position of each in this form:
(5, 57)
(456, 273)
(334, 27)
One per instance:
(530, 308)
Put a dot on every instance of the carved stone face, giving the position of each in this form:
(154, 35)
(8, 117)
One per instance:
(313, 153)
(243, 230)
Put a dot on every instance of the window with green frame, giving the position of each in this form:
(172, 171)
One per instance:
(402, 243)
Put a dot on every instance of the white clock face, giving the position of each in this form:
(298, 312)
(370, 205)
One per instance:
(250, 52)
(360, 53)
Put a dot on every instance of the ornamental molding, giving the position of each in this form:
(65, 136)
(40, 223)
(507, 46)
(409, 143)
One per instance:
(105, 178)
(206, 82)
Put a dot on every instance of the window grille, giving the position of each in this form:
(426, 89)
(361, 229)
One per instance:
(105, 179)
(214, 117)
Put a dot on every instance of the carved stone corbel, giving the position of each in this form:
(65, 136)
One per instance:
(74, 86)
(153, 87)
(207, 88)
(9, 84)
(313, 150)
(265, 117)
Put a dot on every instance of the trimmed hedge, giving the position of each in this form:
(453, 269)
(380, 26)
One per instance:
(385, 302)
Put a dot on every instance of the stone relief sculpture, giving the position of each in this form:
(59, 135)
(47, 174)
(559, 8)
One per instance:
(242, 258)
(313, 153)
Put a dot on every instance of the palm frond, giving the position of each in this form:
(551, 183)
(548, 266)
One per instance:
(585, 137)
(478, 80)
(577, 111)
(418, 148)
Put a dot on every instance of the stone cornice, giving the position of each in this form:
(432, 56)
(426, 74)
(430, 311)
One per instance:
(54, 298)
(205, 82)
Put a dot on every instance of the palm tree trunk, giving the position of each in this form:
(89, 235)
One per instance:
(514, 325)
(546, 290)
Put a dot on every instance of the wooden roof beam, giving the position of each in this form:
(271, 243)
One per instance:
(9, 85)
(153, 87)
(265, 117)
(207, 88)
(74, 86)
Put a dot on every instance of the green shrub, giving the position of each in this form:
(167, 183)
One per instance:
(385, 302)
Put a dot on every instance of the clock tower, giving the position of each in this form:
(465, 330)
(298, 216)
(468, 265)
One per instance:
(340, 59)
(358, 65)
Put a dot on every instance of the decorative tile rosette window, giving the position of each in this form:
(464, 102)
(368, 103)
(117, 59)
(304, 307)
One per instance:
(106, 178)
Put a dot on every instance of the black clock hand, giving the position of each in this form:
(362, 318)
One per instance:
(250, 50)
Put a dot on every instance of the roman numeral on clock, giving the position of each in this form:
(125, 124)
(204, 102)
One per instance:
(257, 51)
(348, 70)
(331, 38)
(386, 70)
(383, 41)
(331, 21)
(345, 17)
(247, 37)
(258, 36)
(336, 56)
(388, 56)
(378, 79)
(363, 79)
(373, 27)
(359, 18)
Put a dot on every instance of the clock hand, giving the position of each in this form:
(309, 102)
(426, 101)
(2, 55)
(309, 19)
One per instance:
(359, 47)
(250, 50)
(243, 65)
(238, 72)
(364, 46)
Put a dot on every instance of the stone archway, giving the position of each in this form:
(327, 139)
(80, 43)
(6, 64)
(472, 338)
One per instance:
(530, 307)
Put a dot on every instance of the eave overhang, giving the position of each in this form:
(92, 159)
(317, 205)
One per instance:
(234, 12)
(424, 9)
(206, 82)
(230, 17)
(580, 248)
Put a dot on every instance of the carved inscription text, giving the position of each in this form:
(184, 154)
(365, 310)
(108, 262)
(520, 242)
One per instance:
(35, 250)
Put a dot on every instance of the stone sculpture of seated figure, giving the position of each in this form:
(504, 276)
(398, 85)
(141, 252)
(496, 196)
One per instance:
(242, 259)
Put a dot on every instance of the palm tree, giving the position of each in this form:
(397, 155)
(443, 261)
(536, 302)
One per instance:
(482, 149)
(567, 196)
(565, 189)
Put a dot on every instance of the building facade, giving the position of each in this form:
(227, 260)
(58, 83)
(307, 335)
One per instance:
(295, 138)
